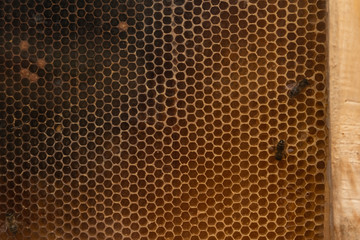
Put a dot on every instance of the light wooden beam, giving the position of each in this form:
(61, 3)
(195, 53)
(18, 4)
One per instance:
(344, 124)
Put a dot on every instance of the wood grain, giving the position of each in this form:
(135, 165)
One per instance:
(344, 109)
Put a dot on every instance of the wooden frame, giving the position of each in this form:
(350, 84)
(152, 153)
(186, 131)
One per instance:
(344, 119)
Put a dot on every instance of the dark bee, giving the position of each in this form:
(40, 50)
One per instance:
(280, 148)
(298, 88)
(10, 224)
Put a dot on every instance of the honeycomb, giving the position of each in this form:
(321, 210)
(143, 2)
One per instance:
(155, 119)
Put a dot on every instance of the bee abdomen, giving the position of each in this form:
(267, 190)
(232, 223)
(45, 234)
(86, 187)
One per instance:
(13, 228)
(278, 156)
(294, 92)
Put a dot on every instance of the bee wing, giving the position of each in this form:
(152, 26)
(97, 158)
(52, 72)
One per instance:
(290, 85)
(271, 149)
(290, 150)
(3, 228)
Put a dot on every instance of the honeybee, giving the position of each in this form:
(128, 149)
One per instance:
(298, 87)
(280, 150)
(10, 224)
